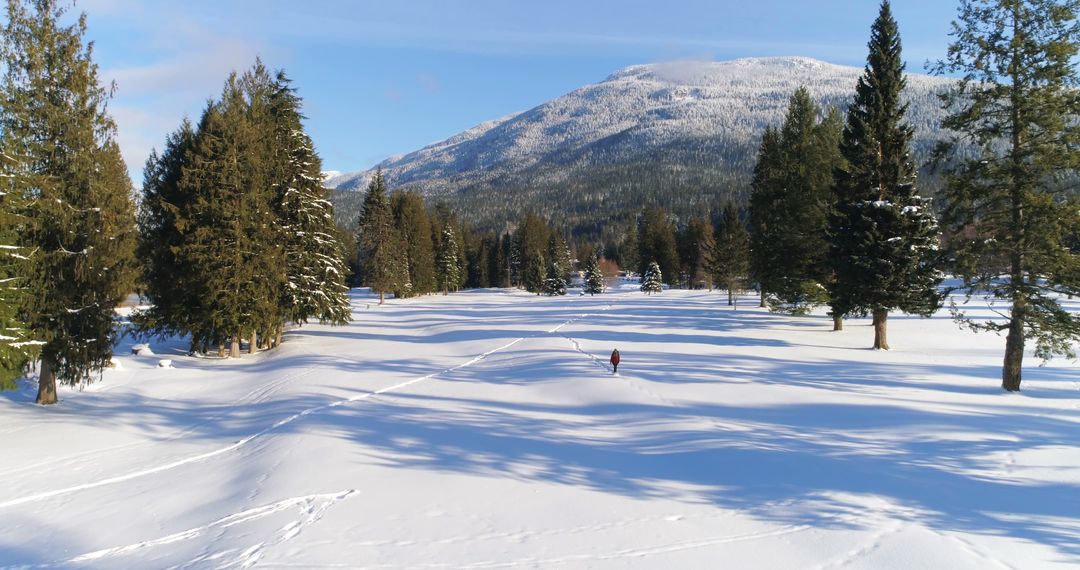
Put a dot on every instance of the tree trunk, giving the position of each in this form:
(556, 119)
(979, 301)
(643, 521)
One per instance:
(1014, 352)
(382, 297)
(46, 384)
(253, 345)
(838, 323)
(881, 321)
(221, 350)
(763, 303)
(277, 339)
(730, 296)
(234, 348)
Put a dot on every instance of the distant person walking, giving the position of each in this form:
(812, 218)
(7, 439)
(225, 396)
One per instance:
(615, 361)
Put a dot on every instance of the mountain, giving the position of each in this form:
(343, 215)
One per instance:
(680, 134)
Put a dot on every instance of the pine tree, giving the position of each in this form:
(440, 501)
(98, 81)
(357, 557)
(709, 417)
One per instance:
(448, 261)
(17, 346)
(594, 277)
(652, 281)
(696, 244)
(559, 256)
(766, 221)
(169, 285)
(884, 236)
(379, 242)
(656, 242)
(530, 252)
(269, 171)
(554, 283)
(80, 225)
(233, 246)
(412, 220)
(314, 256)
(731, 258)
(498, 270)
(791, 200)
(1008, 208)
(235, 228)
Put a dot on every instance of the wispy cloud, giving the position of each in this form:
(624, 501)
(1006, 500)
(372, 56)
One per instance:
(188, 64)
(428, 82)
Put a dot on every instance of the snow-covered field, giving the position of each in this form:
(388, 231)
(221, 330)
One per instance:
(485, 430)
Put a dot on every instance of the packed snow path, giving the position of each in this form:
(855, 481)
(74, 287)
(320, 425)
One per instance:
(485, 430)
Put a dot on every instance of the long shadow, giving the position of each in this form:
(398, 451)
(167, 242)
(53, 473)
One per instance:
(801, 452)
(805, 452)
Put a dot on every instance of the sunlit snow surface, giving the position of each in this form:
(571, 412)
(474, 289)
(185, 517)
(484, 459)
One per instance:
(485, 430)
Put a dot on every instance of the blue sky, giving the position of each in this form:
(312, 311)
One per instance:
(383, 78)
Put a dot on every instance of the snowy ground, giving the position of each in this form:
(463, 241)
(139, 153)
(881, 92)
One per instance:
(484, 430)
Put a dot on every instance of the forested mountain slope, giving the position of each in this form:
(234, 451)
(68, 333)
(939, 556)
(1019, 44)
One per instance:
(683, 135)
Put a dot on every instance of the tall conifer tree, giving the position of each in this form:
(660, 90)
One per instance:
(697, 244)
(215, 223)
(172, 290)
(448, 261)
(80, 225)
(558, 255)
(594, 277)
(731, 256)
(381, 257)
(1009, 208)
(412, 219)
(656, 242)
(17, 346)
(530, 252)
(766, 221)
(790, 203)
(314, 256)
(652, 281)
(884, 236)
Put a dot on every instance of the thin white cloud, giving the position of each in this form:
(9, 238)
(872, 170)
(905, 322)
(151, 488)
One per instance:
(152, 99)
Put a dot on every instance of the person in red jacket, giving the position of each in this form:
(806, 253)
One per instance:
(615, 361)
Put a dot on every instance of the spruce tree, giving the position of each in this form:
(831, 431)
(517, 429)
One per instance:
(448, 261)
(696, 244)
(791, 200)
(498, 266)
(530, 252)
(234, 247)
(80, 224)
(766, 220)
(652, 281)
(554, 283)
(1008, 208)
(170, 288)
(884, 236)
(314, 256)
(379, 242)
(17, 346)
(731, 258)
(558, 255)
(656, 242)
(214, 223)
(412, 220)
(594, 277)
(268, 173)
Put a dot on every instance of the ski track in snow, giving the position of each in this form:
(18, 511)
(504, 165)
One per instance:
(864, 549)
(522, 535)
(311, 506)
(256, 396)
(272, 428)
(630, 553)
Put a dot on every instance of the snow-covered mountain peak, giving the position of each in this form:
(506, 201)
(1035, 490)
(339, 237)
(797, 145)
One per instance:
(692, 126)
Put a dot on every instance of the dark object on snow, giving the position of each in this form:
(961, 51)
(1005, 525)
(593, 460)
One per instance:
(615, 361)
